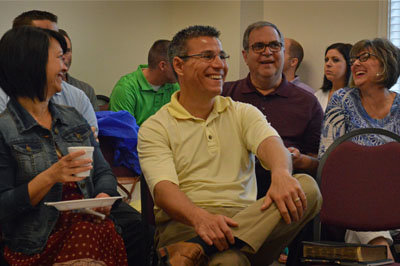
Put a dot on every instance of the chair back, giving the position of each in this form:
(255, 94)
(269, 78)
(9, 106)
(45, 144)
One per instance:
(103, 102)
(360, 185)
(124, 175)
(146, 202)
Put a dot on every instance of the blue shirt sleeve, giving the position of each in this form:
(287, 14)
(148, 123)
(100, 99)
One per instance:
(76, 98)
(3, 100)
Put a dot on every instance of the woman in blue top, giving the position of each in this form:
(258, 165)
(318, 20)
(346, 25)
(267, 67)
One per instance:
(35, 166)
(368, 104)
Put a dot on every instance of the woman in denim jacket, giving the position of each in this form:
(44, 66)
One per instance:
(35, 166)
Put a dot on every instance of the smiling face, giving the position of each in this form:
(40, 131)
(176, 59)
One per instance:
(196, 74)
(335, 66)
(368, 73)
(267, 64)
(54, 68)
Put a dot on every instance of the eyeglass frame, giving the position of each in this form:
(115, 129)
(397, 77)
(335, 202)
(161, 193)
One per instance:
(353, 59)
(265, 45)
(202, 56)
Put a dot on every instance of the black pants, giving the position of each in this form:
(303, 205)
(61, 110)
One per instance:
(138, 239)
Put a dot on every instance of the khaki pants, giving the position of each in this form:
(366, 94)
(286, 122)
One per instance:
(265, 232)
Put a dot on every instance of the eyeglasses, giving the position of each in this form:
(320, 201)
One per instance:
(207, 56)
(362, 57)
(259, 47)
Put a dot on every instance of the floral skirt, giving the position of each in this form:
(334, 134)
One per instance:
(76, 236)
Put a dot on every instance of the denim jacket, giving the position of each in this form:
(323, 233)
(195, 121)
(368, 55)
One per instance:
(26, 150)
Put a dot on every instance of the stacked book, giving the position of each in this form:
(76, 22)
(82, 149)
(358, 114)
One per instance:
(337, 253)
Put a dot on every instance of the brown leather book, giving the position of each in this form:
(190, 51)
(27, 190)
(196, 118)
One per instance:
(344, 251)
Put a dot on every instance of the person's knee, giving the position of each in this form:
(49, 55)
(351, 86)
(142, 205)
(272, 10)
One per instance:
(311, 189)
(368, 237)
(230, 257)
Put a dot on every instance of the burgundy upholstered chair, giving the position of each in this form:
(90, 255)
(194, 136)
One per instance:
(360, 185)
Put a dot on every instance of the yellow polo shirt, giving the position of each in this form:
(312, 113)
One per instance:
(212, 160)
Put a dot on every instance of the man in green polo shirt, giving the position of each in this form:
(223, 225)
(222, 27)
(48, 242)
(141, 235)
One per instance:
(144, 91)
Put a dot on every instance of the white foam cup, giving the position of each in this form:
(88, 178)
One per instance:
(88, 155)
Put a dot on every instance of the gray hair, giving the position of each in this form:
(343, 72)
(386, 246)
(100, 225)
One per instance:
(257, 25)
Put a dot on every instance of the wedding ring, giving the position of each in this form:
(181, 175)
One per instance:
(296, 200)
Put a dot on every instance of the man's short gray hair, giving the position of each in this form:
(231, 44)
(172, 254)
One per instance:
(257, 25)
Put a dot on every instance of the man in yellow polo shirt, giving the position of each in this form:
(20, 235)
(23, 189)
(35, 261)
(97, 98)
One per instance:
(197, 154)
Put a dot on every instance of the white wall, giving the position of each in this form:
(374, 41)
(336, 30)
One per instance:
(224, 15)
(318, 24)
(110, 38)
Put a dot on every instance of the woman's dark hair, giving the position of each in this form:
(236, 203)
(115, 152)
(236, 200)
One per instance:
(24, 53)
(344, 50)
(387, 54)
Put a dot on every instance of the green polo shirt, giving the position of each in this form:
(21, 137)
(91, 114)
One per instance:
(134, 94)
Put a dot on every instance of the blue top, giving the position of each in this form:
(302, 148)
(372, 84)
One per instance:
(26, 150)
(70, 96)
(346, 113)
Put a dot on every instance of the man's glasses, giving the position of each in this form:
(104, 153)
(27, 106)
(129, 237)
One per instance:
(362, 57)
(259, 47)
(207, 56)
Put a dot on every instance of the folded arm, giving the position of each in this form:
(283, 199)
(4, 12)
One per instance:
(285, 190)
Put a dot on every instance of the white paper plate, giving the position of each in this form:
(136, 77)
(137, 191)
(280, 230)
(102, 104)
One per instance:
(83, 203)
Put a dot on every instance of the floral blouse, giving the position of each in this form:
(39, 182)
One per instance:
(345, 113)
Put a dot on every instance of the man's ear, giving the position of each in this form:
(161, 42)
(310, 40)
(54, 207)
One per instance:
(162, 65)
(294, 61)
(244, 53)
(177, 64)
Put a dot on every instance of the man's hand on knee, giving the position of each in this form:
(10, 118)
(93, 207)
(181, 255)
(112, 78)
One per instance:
(288, 196)
(214, 229)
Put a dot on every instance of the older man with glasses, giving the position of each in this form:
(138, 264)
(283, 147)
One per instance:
(293, 112)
